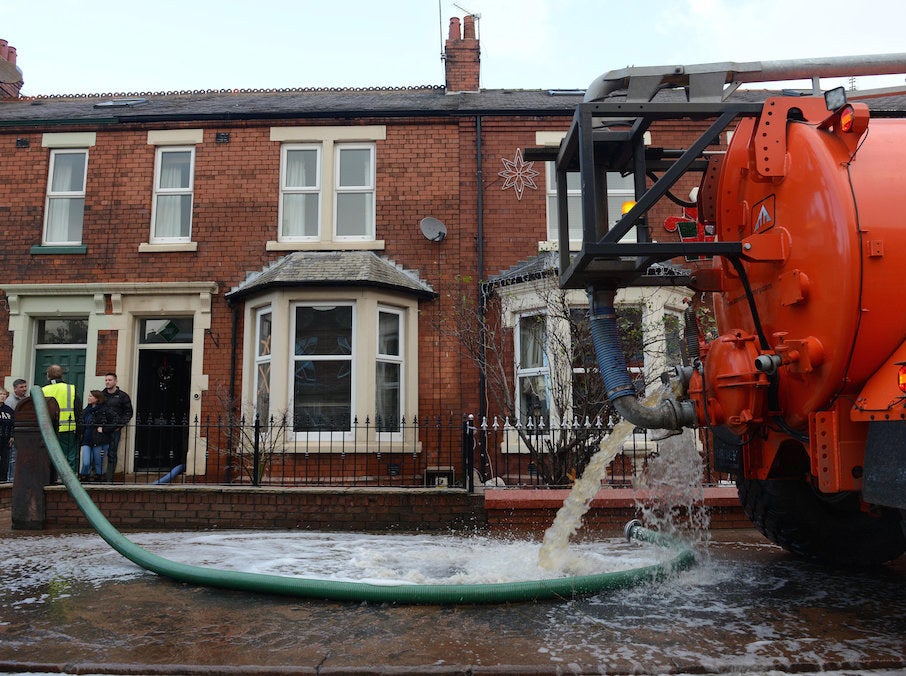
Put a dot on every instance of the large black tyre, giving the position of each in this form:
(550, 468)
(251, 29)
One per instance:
(831, 529)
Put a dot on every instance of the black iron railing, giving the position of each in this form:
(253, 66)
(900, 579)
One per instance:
(462, 452)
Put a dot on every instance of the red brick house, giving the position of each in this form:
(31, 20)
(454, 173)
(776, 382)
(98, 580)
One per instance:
(264, 246)
(279, 251)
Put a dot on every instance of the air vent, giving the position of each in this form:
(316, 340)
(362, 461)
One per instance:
(121, 103)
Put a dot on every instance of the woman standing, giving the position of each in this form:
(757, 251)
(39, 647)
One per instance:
(98, 423)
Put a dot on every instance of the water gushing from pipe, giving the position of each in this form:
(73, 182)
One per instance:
(555, 553)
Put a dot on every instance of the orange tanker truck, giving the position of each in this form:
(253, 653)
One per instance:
(802, 396)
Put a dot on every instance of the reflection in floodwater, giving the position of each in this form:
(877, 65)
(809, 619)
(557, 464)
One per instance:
(71, 600)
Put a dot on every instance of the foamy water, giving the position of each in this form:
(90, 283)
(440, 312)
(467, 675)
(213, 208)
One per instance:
(751, 608)
(30, 562)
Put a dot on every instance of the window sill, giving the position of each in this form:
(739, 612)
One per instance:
(45, 249)
(145, 247)
(553, 245)
(327, 245)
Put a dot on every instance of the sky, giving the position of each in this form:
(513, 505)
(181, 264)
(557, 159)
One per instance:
(111, 46)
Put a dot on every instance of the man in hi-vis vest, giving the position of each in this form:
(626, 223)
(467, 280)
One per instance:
(70, 407)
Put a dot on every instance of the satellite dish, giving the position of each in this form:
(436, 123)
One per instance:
(433, 229)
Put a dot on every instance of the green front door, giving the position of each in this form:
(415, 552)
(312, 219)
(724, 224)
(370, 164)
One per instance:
(72, 359)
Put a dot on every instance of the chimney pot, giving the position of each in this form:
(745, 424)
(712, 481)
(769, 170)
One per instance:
(462, 60)
(468, 32)
(4, 49)
(11, 55)
(455, 33)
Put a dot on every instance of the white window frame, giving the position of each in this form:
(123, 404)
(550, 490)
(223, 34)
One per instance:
(68, 195)
(353, 360)
(397, 359)
(167, 192)
(263, 359)
(574, 196)
(550, 138)
(286, 191)
(532, 371)
(367, 189)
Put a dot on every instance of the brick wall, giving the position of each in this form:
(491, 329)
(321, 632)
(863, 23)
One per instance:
(532, 511)
(509, 511)
(201, 507)
(461, 56)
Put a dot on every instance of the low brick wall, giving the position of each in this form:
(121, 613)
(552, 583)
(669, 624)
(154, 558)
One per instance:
(500, 511)
(531, 512)
(329, 509)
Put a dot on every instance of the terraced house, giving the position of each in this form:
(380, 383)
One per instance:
(297, 252)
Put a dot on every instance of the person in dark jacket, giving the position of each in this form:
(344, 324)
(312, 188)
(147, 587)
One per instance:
(121, 405)
(6, 436)
(97, 424)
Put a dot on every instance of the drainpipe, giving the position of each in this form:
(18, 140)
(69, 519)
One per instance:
(233, 330)
(482, 296)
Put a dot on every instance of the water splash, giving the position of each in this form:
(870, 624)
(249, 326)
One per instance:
(555, 553)
(674, 491)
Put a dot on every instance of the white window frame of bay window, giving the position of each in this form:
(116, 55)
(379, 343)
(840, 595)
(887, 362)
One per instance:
(332, 140)
(263, 361)
(55, 196)
(398, 359)
(352, 358)
(542, 370)
(367, 304)
(179, 191)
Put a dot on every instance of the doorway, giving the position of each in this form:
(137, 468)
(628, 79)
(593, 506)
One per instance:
(162, 408)
(71, 359)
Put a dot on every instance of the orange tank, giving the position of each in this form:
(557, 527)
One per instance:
(819, 212)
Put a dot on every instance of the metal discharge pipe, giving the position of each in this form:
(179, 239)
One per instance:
(534, 590)
(670, 414)
(714, 75)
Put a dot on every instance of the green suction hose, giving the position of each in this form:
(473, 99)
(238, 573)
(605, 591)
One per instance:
(559, 588)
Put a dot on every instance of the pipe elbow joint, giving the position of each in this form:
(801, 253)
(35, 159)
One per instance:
(670, 414)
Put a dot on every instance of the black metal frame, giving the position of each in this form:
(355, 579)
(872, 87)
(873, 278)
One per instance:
(592, 148)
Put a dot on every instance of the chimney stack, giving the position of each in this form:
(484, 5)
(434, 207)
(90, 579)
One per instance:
(10, 75)
(461, 57)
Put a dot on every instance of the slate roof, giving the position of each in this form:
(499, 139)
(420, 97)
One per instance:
(545, 264)
(287, 103)
(333, 268)
(312, 103)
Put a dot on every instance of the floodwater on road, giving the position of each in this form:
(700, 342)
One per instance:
(68, 602)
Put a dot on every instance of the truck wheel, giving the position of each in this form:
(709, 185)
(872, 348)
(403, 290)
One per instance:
(831, 529)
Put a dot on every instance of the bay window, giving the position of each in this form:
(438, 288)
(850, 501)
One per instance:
(389, 370)
(263, 326)
(532, 370)
(323, 367)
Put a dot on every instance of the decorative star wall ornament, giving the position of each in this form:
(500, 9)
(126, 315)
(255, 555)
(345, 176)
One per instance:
(519, 174)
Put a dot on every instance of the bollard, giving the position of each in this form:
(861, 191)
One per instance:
(33, 469)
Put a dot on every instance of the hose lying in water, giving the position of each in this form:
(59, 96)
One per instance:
(559, 588)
